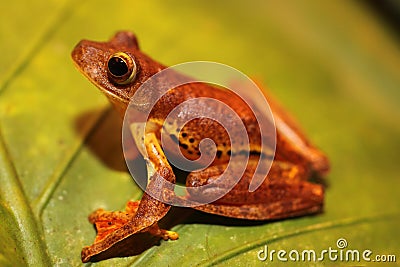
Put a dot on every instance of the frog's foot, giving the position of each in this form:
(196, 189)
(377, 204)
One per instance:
(113, 227)
(164, 234)
(107, 222)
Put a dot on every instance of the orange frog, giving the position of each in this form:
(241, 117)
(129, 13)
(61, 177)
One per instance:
(118, 68)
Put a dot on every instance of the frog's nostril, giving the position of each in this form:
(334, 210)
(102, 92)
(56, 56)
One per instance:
(77, 53)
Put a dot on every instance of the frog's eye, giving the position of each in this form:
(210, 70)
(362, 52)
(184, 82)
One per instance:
(121, 68)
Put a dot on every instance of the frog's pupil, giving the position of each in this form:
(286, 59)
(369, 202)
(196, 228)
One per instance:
(117, 66)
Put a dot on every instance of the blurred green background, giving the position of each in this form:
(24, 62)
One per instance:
(334, 65)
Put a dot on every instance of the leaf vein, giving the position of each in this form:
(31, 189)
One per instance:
(13, 196)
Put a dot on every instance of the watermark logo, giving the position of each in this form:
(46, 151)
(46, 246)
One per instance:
(150, 103)
(340, 253)
(341, 243)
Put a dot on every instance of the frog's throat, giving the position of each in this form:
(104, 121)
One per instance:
(119, 103)
(113, 97)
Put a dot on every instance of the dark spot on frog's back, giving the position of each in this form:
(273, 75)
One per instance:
(183, 145)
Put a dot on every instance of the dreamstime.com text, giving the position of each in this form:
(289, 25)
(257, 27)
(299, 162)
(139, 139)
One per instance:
(340, 253)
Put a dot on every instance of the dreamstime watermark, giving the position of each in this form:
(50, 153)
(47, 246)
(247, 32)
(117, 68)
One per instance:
(166, 94)
(339, 253)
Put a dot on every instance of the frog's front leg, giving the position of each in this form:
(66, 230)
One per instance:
(140, 216)
(284, 193)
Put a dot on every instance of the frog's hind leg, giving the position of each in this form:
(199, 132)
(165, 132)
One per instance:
(284, 193)
(292, 144)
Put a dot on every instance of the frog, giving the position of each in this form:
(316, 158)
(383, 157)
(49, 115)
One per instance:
(118, 67)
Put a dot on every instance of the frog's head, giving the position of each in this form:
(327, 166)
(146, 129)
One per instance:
(116, 67)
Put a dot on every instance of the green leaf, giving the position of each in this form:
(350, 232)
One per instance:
(335, 66)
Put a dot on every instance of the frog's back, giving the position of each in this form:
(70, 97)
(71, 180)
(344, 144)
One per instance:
(199, 123)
